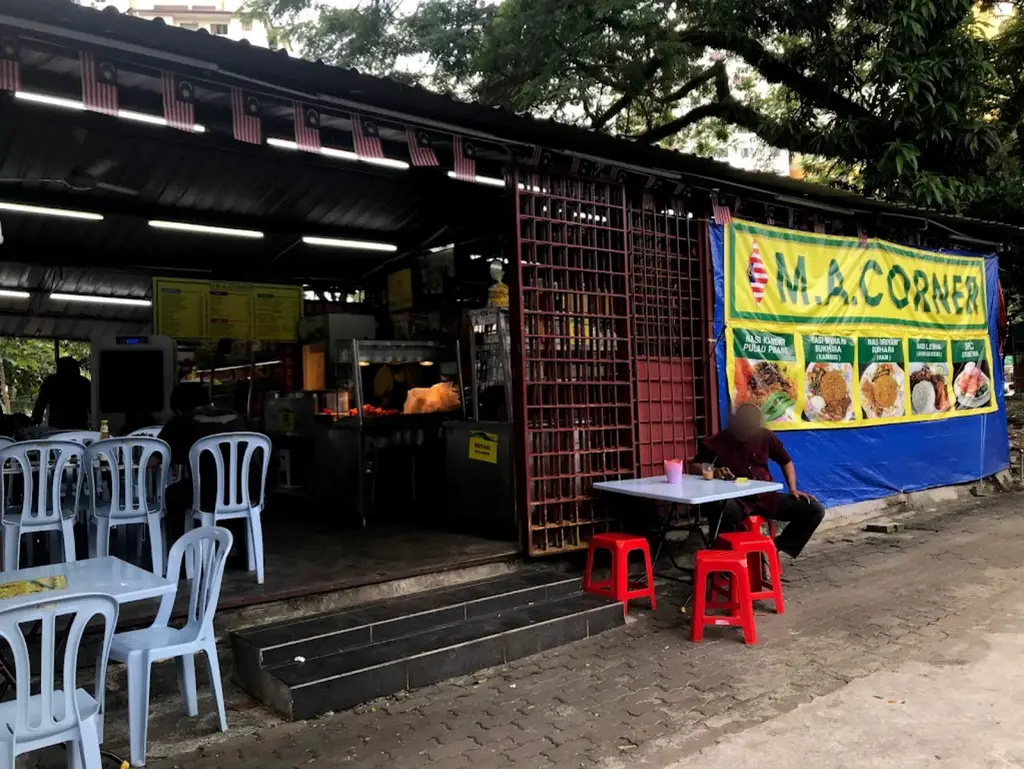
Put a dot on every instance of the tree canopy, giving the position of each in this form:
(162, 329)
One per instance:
(912, 100)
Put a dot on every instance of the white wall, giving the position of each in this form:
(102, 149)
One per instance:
(226, 12)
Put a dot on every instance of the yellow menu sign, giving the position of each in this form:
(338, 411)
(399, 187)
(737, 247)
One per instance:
(197, 309)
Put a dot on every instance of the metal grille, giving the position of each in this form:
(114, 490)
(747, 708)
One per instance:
(671, 331)
(575, 408)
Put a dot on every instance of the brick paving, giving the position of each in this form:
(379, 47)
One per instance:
(644, 696)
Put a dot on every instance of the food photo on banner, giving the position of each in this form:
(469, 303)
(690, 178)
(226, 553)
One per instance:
(874, 358)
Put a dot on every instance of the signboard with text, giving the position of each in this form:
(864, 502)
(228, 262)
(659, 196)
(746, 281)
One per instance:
(826, 332)
(196, 309)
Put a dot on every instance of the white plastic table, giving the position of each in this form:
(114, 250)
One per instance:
(693, 490)
(110, 575)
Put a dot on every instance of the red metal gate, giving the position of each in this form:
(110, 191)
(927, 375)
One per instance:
(574, 360)
(671, 303)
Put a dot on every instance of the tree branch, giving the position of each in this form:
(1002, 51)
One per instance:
(716, 70)
(628, 97)
(776, 70)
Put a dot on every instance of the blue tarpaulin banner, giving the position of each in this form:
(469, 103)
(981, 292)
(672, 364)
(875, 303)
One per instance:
(864, 461)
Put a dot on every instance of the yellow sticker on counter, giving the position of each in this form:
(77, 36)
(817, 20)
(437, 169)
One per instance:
(30, 586)
(483, 447)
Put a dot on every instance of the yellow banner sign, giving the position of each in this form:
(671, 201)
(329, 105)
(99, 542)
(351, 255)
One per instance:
(825, 332)
(197, 309)
(783, 276)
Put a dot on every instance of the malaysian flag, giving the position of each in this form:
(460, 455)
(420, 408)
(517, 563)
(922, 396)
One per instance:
(465, 159)
(99, 85)
(757, 275)
(245, 117)
(650, 183)
(366, 137)
(421, 148)
(179, 103)
(576, 165)
(721, 213)
(10, 65)
(307, 128)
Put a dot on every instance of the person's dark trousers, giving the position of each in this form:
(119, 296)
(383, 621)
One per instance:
(802, 519)
(179, 504)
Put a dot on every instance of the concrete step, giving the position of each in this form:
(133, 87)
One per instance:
(333, 661)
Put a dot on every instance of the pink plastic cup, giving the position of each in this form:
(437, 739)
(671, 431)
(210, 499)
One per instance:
(674, 470)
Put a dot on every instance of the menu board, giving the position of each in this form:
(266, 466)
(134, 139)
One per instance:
(826, 332)
(195, 309)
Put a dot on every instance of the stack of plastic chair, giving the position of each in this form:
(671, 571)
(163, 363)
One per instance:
(207, 550)
(136, 491)
(233, 455)
(69, 715)
(81, 437)
(50, 473)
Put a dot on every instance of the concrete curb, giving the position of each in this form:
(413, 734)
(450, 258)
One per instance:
(917, 501)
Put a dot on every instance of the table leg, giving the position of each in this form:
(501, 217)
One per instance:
(668, 526)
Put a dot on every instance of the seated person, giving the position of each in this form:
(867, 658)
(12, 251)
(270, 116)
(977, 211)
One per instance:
(194, 417)
(742, 451)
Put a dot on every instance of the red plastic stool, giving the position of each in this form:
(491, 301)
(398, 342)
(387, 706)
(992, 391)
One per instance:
(758, 549)
(755, 524)
(618, 586)
(738, 601)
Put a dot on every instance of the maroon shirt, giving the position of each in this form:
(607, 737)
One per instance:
(746, 459)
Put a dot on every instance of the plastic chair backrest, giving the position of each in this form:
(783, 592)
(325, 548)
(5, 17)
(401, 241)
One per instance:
(82, 437)
(208, 546)
(42, 466)
(233, 488)
(127, 460)
(59, 711)
(5, 441)
(147, 432)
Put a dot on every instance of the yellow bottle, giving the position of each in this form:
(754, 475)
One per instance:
(104, 430)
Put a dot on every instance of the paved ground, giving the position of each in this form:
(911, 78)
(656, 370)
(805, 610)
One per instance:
(901, 650)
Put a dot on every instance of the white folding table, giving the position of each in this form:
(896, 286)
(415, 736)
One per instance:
(693, 491)
(110, 575)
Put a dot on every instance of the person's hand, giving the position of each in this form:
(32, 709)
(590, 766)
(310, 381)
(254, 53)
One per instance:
(724, 473)
(803, 496)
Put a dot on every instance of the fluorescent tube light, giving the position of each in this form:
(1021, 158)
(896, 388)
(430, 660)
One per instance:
(356, 245)
(203, 229)
(93, 299)
(67, 213)
(488, 180)
(12, 294)
(75, 104)
(338, 154)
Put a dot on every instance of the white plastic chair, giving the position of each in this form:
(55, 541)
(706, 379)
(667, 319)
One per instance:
(67, 715)
(234, 495)
(146, 432)
(47, 473)
(81, 437)
(207, 550)
(5, 441)
(136, 491)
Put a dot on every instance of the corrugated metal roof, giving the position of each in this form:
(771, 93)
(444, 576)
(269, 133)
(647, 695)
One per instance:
(45, 317)
(213, 58)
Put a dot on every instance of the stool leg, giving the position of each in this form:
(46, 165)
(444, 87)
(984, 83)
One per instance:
(588, 573)
(746, 610)
(775, 569)
(650, 575)
(620, 573)
(697, 618)
(754, 572)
